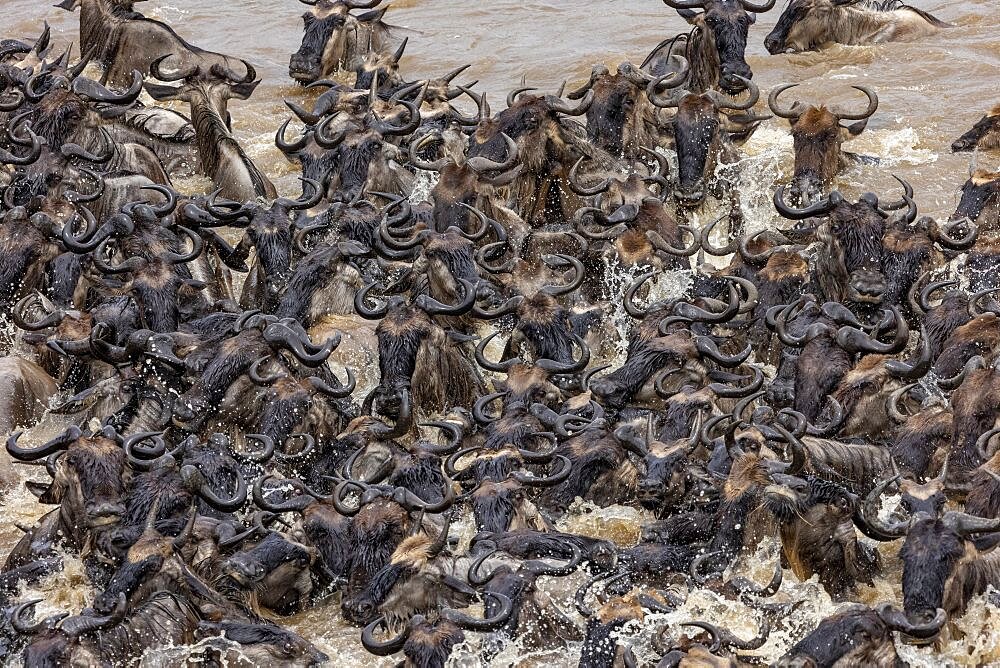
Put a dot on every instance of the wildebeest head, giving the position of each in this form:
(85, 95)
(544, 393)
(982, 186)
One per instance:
(335, 39)
(546, 145)
(816, 518)
(724, 27)
(806, 25)
(617, 119)
(937, 556)
(88, 480)
(981, 200)
(410, 583)
(818, 136)
(67, 113)
(258, 644)
(858, 636)
(60, 640)
(276, 569)
(984, 135)
(463, 183)
(703, 128)
(850, 265)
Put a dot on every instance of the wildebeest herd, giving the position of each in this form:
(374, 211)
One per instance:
(384, 403)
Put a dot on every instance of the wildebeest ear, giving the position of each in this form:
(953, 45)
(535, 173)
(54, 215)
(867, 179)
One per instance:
(373, 15)
(159, 92)
(689, 15)
(753, 17)
(243, 90)
(857, 128)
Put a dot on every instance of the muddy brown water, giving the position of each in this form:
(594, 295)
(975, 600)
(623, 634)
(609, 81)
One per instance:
(930, 92)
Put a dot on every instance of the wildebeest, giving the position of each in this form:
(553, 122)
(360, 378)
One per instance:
(984, 135)
(806, 25)
(858, 636)
(335, 39)
(716, 46)
(818, 138)
(121, 39)
(208, 93)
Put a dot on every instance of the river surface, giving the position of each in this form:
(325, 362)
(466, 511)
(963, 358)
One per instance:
(930, 93)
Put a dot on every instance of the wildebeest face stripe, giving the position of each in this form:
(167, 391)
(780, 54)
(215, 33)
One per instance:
(930, 553)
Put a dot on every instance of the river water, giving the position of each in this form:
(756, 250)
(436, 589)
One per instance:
(930, 93)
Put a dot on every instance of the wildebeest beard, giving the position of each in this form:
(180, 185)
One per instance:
(274, 252)
(157, 300)
(311, 274)
(901, 266)
(516, 426)
(457, 257)
(731, 523)
(859, 231)
(643, 361)
(399, 342)
(164, 488)
(233, 358)
(592, 455)
(495, 505)
(608, 116)
(375, 533)
(496, 468)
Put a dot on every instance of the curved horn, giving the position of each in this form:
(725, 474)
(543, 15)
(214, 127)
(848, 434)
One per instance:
(482, 625)
(579, 188)
(897, 621)
(480, 164)
(559, 105)
(196, 479)
(820, 208)
(552, 479)
(725, 102)
(384, 647)
(285, 146)
(776, 109)
(869, 110)
(919, 367)
(497, 367)
(58, 443)
(867, 520)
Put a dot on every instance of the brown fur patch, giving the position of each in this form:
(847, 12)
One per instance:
(746, 472)
(816, 120)
(784, 265)
(982, 177)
